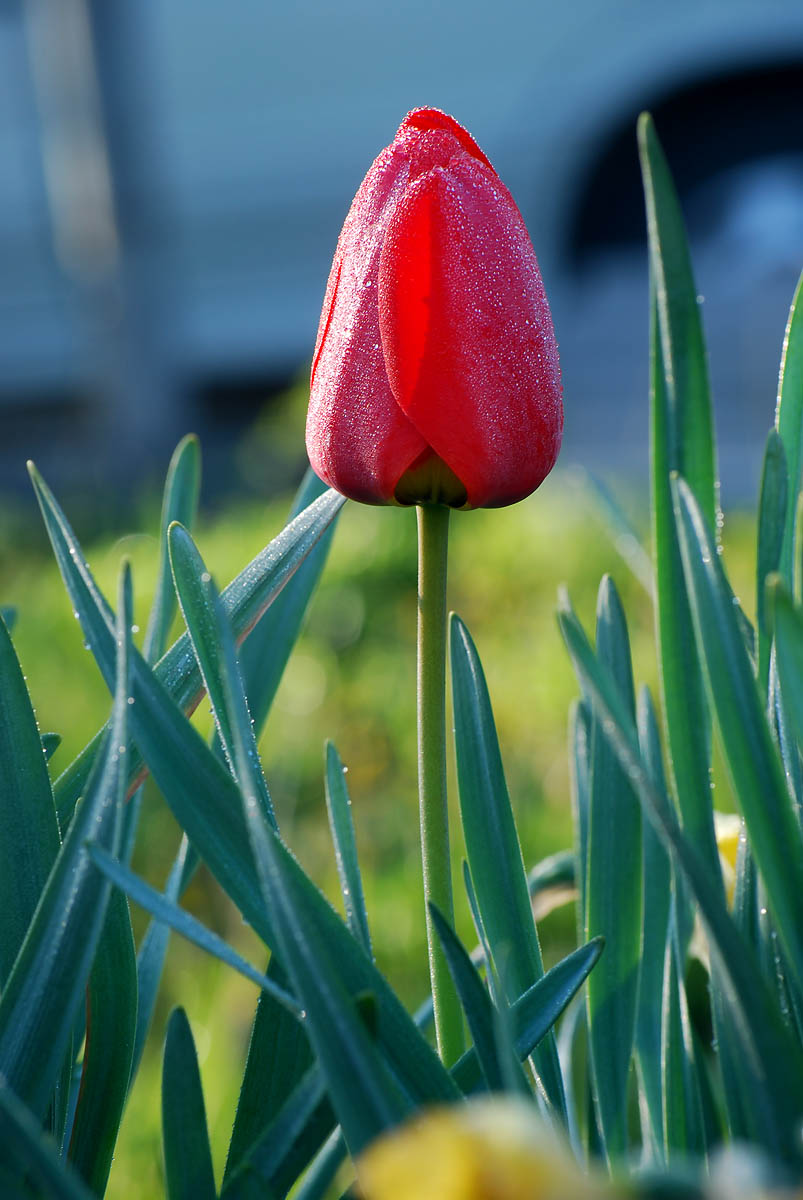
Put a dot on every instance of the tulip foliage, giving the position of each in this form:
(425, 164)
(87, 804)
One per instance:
(672, 1031)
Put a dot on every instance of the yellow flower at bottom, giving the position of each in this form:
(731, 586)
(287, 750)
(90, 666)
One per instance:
(483, 1150)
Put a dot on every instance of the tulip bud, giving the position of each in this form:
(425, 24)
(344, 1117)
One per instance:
(435, 377)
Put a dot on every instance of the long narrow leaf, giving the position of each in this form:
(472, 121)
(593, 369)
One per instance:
(681, 439)
(30, 832)
(46, 984)
(232, 719)
(771, 517)
(534, 1014)
(494, 853)
(474, 999)
(338, 806)
(109, 1050)
(683, 1130)
(179, 503)
(657, 905)
(188, 1157)
(750, 753)
(613, 897)
(789, 423)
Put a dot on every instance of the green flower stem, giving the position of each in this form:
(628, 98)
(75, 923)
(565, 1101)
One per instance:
(433, 535)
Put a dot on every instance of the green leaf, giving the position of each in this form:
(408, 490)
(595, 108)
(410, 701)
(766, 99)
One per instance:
(245, 600)
(30, 840)
(764, 1042)
(46, 985)
(681, 439)
(771, 517)
(613, 896)
(787, 625)
(683, 1129)
(658, 887)
(27, 1152)
(789, 423)
(179, 503)
(278, 1057)
(338, 806)
(232, 718)
(580, 764)
(690, 436)
(492, 844)
(750, 754)
(109, 1050)
(266, 649)
(474, 999)
(533, 1015)
(188, 1158)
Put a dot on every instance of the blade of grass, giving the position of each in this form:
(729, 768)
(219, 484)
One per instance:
(613, 896)
(750, 754)
(494, 853)
(766, 1048)
(188, 1156)
(338, 807)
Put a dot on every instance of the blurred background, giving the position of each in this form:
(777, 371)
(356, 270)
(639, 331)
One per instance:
(173, 178)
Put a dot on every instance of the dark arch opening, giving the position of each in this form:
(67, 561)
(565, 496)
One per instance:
(706, 128)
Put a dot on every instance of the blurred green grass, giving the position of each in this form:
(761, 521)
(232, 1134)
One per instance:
(351, 678)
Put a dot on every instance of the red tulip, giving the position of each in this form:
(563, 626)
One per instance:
(435, 375)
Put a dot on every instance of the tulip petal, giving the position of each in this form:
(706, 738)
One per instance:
(359, 441)
(467, 336)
